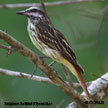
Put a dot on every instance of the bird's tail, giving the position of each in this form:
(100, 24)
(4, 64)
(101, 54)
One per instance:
(80, 79)
(76, 71)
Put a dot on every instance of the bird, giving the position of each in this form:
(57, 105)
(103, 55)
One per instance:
(51, 42)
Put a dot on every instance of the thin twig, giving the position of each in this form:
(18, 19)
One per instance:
(5, 47)
(43, 5)
(25, 75)
(67, 76)
(48, 4)
(8, 48)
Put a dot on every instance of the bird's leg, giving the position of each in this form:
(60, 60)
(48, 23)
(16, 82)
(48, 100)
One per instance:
(52, 63)
(67, 76)
(34, 70)
(46, 57)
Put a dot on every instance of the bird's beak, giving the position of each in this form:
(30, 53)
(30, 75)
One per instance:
(23, 13)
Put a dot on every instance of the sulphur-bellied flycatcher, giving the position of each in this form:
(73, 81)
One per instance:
(51, 42)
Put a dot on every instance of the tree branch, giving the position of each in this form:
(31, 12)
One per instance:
(26, 76)
(48, 4)
(98, 90)
(51, 74)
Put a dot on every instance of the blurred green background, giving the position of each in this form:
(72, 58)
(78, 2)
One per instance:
(85, 25)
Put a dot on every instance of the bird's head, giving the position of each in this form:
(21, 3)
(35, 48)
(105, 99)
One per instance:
(33, 13)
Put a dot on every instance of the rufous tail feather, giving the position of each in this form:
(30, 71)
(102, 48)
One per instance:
(80, 79)
(77, 73)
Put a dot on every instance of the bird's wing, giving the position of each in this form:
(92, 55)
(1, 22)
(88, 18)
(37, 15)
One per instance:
(67, 51)
(47, 35)
(54, 39)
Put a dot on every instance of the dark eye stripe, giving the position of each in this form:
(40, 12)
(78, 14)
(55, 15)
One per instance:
(35, 10)
(32, 10)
